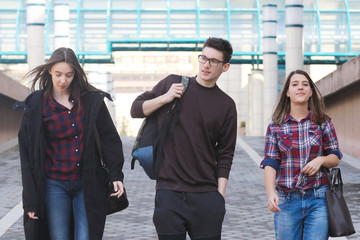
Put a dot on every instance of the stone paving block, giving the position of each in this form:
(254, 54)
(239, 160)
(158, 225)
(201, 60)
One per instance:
(247, 216)
(10, 180)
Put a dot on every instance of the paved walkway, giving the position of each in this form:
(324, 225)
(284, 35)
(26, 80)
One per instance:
(247, 215)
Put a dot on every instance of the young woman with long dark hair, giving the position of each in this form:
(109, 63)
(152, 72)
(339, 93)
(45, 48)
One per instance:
(63, 180)
(300, 144)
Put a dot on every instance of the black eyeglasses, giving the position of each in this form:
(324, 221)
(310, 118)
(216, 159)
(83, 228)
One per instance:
(213, 62)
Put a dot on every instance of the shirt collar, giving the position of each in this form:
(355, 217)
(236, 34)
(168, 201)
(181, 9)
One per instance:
(290, 118)
(54, 104)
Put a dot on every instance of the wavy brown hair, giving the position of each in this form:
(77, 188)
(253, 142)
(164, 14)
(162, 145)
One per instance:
(78, 86)
(315, 104)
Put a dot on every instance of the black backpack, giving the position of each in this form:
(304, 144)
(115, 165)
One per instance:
(148, 146)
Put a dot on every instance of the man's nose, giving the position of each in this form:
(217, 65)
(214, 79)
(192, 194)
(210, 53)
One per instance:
(207, 63)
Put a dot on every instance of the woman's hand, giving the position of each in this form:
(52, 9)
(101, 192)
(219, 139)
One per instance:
(118, 188)
(32, 215)
(313, 166)
(273, 198)
(273, 202)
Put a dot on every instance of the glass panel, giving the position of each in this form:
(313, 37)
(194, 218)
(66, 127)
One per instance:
(331, 4)
(73, 4)
(93, 31)
(213, 24)
(73, 30)
(183, 25)
(334, 32)
(9, 4)
(94, 4)
(123, 25)
(123, 4)
(50, 32)
(22, 41)
(355, 31)
(310, 32)
(208, 4)
(153, 25)
(354, 4)
(151, 4)
(280, 4)
(244, 31)
(309, 4)
(183, 4)
(7, 30)
(242, 4)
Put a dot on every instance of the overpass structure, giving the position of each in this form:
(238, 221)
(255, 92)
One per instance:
(99, 28)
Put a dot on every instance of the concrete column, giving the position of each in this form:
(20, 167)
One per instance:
(35, 21)
(270, 62)
(294, 35)
(230, 82)
(61, 25)
(243, 106)
(255, 118)
(99, 77)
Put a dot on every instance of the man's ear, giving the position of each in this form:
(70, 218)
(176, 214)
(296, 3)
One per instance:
(225, 67)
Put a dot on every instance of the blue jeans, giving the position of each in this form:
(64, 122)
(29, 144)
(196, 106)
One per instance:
(64, 197)
(303, 215)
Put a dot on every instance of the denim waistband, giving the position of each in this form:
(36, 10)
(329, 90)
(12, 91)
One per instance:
(307, 191)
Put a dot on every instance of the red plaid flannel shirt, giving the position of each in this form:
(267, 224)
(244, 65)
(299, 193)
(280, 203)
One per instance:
(64, 130)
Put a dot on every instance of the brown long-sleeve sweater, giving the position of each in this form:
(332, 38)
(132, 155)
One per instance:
(205, 136)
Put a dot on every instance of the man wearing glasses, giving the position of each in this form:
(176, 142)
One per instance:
(192, 179)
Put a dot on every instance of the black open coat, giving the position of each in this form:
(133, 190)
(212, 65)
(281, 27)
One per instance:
(32, 143)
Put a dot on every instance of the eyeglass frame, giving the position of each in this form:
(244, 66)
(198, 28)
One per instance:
(211, 60)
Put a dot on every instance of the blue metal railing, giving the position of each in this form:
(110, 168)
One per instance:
(173, 32)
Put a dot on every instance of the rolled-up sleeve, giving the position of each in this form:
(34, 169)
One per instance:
(330, 140)
(271, 151)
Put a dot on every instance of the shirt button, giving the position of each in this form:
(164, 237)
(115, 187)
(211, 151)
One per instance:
(78, 164)
(76, 150)
(73, 124)
(76, 136)
(69, 112)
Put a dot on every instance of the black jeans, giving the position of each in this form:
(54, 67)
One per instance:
(199, 214)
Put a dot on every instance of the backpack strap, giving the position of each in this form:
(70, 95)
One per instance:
(171, 118)
(185, 82)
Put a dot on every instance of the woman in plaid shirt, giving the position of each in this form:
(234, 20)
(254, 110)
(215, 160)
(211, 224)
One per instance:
(300, 144)
(61, 172)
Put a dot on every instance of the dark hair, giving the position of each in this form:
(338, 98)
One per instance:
(79, 85)
(222, 45)
(315, 104)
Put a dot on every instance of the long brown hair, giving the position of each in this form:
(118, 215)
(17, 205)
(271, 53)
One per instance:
(315, 104)
(78, 86)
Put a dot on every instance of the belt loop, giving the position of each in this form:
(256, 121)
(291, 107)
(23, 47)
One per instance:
(184, 196)
(288, 197)
(318, 191)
